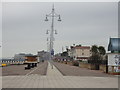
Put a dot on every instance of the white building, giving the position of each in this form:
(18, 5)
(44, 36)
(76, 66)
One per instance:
(80, 52)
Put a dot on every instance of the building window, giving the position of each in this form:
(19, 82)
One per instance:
(82, 53)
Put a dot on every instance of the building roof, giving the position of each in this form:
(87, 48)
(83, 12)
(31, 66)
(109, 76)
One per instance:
(82, 47)
(82, 57)
(114, 44)
(30, 55)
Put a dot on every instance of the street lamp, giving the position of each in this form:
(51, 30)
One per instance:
(52, 15)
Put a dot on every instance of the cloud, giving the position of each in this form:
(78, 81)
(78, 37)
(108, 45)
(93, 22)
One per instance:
(85, 23)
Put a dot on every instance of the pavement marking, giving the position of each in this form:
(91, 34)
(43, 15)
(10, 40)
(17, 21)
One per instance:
(31, 71)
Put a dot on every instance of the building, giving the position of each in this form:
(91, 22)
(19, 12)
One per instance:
(114, 55)
(43, 55)
(31, 58)
(80, 52)
(21, 56)
(114, 45)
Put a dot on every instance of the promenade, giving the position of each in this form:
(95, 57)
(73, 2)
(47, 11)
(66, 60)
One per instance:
(55, 79)
(13, 70)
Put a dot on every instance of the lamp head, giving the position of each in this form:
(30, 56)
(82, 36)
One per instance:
(47, 32)
(46, 19)
(56, 32)
(59, 19)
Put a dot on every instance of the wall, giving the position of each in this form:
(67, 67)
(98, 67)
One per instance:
(85, 65)
(103, 68)
(86, 52)
(113, 62)
(113, 58)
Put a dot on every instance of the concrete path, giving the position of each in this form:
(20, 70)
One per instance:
(15, 70)
(54, 79)
(68, 70)
(52, 70)
(0, 81)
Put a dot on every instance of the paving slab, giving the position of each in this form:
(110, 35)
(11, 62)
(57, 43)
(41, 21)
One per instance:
(68, 70)
(54, 79)
(59, 82)
(52, 70)
(15, 70)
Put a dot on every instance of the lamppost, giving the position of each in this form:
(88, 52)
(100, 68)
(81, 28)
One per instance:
(51, 39)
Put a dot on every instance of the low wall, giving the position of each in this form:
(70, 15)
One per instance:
(114, 70)
(65, 62)
(85, 65)
(70, 63)
(103, 68)
(92, 67)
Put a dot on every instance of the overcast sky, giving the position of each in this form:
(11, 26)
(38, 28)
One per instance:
(24, 28)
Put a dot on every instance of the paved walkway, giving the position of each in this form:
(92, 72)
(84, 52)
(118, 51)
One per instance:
(15, 70)
(52, 70)
(54, 79)
(68, 70)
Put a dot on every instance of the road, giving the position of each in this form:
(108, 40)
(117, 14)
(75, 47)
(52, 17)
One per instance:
(14, 70)
(65, 69)
(68, 70)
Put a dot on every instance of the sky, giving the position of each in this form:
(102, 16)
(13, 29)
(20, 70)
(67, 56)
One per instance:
(0, 29)
(86, 23)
